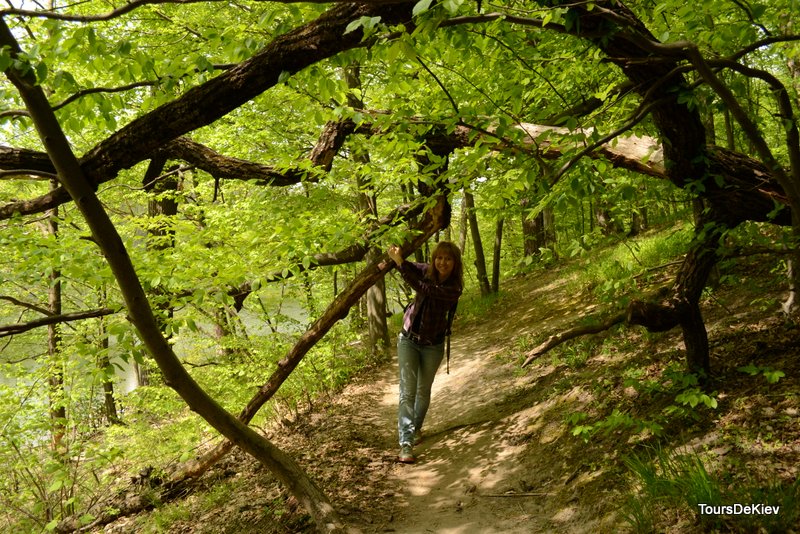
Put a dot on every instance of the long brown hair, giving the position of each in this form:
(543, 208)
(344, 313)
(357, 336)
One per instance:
(452, 250)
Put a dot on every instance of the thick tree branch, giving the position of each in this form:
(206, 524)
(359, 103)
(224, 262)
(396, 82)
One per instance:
(217, 165)
(553, 341)
(204, 104)
(333, 136)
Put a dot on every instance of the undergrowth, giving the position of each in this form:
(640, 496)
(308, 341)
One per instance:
(666, 481)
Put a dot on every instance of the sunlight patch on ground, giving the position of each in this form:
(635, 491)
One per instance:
(565, 515)
(422, 479)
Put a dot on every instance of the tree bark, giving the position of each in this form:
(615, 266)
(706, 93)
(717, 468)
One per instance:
(103, 363)
(480, 258)
(368, 204)
(498, 243)
(682, 308)
(532, 240)
(58, 409)
(463, 227)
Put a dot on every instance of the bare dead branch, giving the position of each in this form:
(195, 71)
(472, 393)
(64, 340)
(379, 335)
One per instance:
(23, 304)
(14, 329)
(95, 90)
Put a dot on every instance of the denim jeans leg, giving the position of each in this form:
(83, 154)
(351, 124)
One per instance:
(408, 359)
(431, 358)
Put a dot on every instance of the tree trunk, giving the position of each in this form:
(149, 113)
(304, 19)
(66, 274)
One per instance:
(683, 307)
(791, 305)
(222, 330)
(463, 225)
(498, 242)
(104, 364)
(532, 230)
(368, 204)
(604, 220)
(638, 223)
(160, 206)
(549, 229)
(376, 311)
(480, 258)
(58, 410)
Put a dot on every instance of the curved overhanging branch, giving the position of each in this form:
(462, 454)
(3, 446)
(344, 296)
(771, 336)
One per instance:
(219, 166)
(206, 103)
(553, 341)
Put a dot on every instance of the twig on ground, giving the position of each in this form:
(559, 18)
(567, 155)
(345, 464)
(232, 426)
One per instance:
(525, 494)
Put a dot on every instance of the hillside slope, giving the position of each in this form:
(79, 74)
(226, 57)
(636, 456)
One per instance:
(499, 454)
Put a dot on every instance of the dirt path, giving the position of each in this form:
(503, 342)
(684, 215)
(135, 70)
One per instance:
(468, 460)
(493, 458)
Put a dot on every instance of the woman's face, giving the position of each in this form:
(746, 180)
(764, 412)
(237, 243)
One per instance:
(444, 264)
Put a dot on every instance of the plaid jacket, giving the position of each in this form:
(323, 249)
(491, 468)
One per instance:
(427, 314)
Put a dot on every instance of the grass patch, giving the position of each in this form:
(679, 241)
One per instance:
(618, 269)
(667, 483)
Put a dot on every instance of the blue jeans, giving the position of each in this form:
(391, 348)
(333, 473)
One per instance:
(418, 365)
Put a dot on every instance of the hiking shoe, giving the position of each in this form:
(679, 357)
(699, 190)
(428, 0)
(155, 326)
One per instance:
(417, 437)
(406, 455)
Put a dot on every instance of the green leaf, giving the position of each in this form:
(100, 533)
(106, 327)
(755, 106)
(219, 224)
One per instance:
(353, 26)
(421, 7)
(5, 59)
(750, 369)
(773, 376)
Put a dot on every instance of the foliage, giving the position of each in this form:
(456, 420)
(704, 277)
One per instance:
(229, 234)
(625, 267)
(668, 480)
(770, 375)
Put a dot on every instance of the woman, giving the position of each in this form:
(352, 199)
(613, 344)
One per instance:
(420, 347)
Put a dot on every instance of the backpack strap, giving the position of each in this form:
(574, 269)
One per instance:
(451, 313)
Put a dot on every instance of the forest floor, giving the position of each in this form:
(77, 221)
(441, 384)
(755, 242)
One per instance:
(499, 454)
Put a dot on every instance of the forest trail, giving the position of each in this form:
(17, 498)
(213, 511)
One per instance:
(499, 455)
(495, 456)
